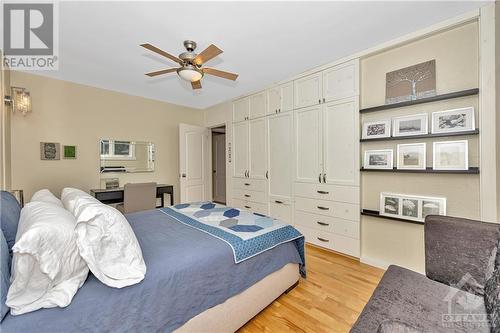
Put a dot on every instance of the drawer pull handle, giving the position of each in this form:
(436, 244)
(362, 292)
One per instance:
(322, 239)
(248, 207)
(247, 195)
(322, 223)
(323, 208)
(323, 192)
(247, 184)
(278, 201)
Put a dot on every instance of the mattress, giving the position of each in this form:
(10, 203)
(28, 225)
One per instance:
(188, 272)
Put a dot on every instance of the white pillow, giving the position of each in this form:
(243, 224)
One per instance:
(109, 246)
(46, 196)
(47, 269)
(70, 197)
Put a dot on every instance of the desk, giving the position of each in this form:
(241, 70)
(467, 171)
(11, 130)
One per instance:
(115, 195)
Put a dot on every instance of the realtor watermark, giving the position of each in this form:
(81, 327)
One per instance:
(31, 35)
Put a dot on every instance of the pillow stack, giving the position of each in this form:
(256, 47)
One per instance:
(58, 242)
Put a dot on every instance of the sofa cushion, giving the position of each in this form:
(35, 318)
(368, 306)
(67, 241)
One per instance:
(394, 326)
(411, 298)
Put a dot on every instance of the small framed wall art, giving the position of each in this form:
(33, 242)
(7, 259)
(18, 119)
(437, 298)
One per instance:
(416, 124)
(456, 120)
(411, 83)
(450, 155)
(69, 152)
(378, 159)
(50, 151)
(412, 156)
(411, 207)
(376, 129)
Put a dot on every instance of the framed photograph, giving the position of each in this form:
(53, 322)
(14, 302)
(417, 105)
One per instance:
(411, 207)
(378, 159)
(456, 120)
(411, 83)
(69, 152)
(416, 124)
(50, 151)
(377, 129)
(450, 155)
(390, 205)
(412, 156)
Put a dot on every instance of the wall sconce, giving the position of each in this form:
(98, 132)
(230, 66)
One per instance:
(20, 100)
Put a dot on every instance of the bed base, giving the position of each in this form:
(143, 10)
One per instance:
(237, 310)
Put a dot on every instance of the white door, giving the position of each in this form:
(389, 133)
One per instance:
(273, 100)
(257, 105)
(308, 90)
(308, 144)
(194, 167)
(340, 81)
(257, 148)
(219, 171)
(240, 149)
(280, 154)
(286, 91)
(340, 136)
(240, 109)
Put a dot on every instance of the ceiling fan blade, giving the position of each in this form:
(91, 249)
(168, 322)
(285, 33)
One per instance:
(210, 52)
(163, 71)
(161, 52)
(222, 74)
(196, 85)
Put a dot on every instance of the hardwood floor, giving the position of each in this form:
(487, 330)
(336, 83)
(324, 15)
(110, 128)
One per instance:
(329, 300)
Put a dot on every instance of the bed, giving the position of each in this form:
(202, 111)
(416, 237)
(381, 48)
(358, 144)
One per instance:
(192, 284)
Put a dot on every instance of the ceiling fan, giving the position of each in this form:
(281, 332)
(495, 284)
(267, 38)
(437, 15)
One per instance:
(191, 69)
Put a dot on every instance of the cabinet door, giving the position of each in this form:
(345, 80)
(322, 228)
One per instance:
(240, 149)
(258, 105)
(340, 81)
(273, 100)
(240, 109)
(308, 144)
(257, 148)
(280, 154)
(307, 91)
(286, 91)
(340, 136)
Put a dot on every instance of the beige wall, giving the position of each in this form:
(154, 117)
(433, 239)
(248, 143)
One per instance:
(456, 52)
(80, 115)
(5, 116)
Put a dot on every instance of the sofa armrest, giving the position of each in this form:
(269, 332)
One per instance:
(460, 252)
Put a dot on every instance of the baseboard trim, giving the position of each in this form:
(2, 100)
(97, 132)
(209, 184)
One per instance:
(374, 262)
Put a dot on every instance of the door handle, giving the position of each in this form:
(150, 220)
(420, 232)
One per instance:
(319, 178)
(323, 192)
(322, 223)
(319, 101)
(323, 100)
(267, 174)
(324, 178)
(278, 201)
(323, 208)
(322, 239)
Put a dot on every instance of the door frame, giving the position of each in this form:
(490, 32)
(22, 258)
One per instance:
(228, 161)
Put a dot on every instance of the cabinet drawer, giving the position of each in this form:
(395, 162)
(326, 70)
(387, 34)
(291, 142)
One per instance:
(249, 195)
(250, 184)
(330, 241)
(329, 224)
(281, 210)
(341, 210)
(349, 194)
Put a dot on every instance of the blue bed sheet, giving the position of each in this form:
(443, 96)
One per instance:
(188, 272)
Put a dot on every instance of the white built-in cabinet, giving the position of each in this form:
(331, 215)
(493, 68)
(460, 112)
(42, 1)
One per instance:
(280, 98)
(296, 155)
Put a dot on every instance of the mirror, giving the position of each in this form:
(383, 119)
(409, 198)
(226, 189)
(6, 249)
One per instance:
(126, 156)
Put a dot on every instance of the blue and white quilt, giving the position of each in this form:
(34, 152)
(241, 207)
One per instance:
(248, 234)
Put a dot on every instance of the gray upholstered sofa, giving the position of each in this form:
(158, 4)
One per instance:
(460, 292)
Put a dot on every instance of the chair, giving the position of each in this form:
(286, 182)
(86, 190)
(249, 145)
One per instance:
(137, 197)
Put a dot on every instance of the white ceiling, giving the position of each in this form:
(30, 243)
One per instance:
(264, 42)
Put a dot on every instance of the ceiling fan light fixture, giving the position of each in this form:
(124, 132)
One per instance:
(190, 73)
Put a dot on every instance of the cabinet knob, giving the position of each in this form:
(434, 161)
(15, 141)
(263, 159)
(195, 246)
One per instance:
(322, 239)
(323, 208)
(322, 223)
(278, 201)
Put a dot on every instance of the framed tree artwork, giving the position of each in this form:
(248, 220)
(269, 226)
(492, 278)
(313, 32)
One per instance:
(411, 83)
